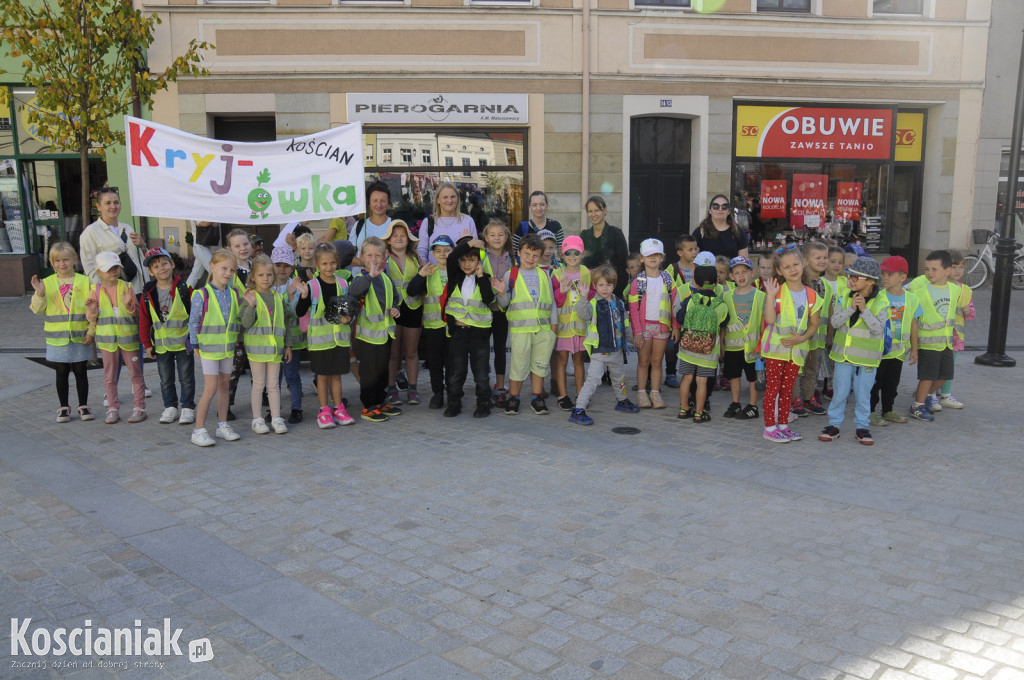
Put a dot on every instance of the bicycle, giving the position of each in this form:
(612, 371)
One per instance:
(978, 267)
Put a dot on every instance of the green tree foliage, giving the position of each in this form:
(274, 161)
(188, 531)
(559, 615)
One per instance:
(85, 60)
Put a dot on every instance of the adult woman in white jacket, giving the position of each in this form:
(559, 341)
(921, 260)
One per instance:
(107, 233)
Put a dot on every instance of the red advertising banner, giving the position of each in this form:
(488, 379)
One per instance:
(814, 132)
(809, 195)
(773, 198)
(848, 196)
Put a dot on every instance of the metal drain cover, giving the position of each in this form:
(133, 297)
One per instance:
(626, 430)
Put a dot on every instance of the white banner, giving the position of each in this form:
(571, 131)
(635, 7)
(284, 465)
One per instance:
(175, 174)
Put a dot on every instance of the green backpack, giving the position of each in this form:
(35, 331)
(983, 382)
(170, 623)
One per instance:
(700, 325)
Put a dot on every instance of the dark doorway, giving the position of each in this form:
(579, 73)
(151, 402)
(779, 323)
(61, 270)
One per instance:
(659, 181)
(905, 236)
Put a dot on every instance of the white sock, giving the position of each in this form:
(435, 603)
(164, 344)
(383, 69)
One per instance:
(221, 424)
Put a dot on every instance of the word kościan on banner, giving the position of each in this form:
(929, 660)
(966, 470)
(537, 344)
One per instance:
(175, 174)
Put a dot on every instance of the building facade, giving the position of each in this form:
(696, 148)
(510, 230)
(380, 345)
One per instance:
(863, 114)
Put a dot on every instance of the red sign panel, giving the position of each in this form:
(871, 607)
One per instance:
(805, 132)
(848, 195)
(773, 198)
(809, 195)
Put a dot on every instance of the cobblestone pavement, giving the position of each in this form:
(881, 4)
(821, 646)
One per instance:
(431, 548)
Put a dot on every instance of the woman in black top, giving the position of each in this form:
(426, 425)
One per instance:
(718, 233)
(603, 243)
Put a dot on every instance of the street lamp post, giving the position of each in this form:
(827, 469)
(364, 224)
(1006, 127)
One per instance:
(1006, 246)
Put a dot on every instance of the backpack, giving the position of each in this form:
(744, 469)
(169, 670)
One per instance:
(700, 325)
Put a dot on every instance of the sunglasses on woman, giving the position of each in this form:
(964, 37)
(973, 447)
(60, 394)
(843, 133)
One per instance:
(719, 206)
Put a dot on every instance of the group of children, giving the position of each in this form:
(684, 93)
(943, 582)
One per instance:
(807, 312)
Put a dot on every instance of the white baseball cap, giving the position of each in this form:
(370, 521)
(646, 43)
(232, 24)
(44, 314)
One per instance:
(107, 260)
(704, 259)
(651, 246)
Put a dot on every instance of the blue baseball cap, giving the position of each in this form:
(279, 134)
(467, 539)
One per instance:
(155, 253)
(740, 260)
(442, 240)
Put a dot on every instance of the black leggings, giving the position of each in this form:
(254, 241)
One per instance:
(499, 331)
(64, 371)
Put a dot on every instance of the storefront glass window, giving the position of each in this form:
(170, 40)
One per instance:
(784, 5)
(490, 171)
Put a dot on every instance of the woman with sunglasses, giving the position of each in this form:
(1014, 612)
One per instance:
(109, 234)
(718, 233)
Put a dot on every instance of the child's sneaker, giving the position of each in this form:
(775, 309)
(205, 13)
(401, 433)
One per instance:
(453, 410)
(829, 434)
(112, 416)
(202, 438)
(626, 406)
(565, 403)
(792, 435)
(402, 380)
(341, 416)
(702, 417)
(393, 396)
(412, 397)
(279, 426)
(85, 413)
(749, 412)
(389, 410)
(877, 420)
(949, 401)
(815, 407)
(733, 409)
(324, 419)
(188, 416)
(296, 417)
(933, 403)
(864, 437)
(512, 406)
(893, 417)
(580, 417)
(642, 400)
(774, 435)
(482, 411)
(921, 412)
(374, 415)
(436, 401)
(500, 397)
(538, 406)
(227, 433)
(798, 408)
(64, 414)
(259, 426)
(169, 415)
(656, 400)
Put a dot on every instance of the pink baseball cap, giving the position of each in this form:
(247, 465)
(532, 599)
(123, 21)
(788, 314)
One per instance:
(572, 243)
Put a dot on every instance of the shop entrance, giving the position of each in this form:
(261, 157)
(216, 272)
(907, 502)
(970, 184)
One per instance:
(659, 181)
(907, 187)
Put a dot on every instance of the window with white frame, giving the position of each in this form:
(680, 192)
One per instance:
(796, 6)
(915, 7)
(406, 155)
(425, 156)
(385, 155)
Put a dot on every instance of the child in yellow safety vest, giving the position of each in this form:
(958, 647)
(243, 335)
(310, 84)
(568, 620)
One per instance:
(569, 284)
(403, 263)
(114, 309)
(468, 316)
(701, 316)
(791, 317)
(857, 348)
(904, 311)
(285, 285)
(374, 330)
(265, 319)
(965, 312)
(739, 349)
(651, 298)
(163, 329)
(214, 329)
(60, 298)
(430, 283)
(240, 246)
(940, 300)
(806, 398)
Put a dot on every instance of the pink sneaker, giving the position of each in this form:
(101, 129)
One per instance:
(323, 418)
(790, 434)
(341, 416)
(775, 436)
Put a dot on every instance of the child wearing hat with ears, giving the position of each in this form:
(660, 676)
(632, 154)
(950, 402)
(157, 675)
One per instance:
(901, 331)
(570, 284)
(857, 348)
(163, 327)
(651, 299)
(285, 285)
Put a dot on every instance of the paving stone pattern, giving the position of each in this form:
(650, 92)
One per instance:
(432, 548)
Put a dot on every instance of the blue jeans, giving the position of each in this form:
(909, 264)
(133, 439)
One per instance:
(291, 375)
(185, 363)
(861, 379)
